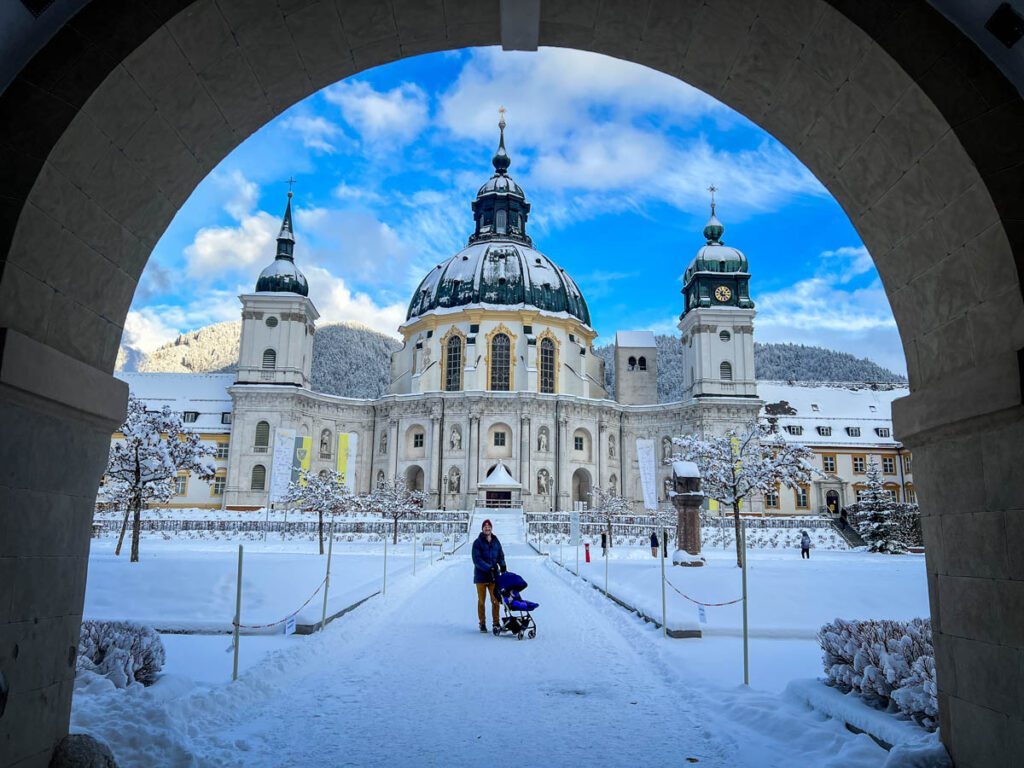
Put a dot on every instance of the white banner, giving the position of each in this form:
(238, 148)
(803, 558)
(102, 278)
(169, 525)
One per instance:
(648, 472)
(574, 529)
(281, 468)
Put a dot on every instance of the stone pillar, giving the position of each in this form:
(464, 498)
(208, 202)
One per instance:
(602, 440)
(564, 500)
(525, 465)
(432, 479)
(687, 500)
(472, 447)
(57, 415)
(393, 447)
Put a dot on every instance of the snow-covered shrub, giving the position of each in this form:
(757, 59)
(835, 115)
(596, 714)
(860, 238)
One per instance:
(891, 664)
(120, 650)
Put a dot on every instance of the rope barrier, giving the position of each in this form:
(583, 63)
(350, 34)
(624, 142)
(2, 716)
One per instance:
(698, 602)
(290, 615)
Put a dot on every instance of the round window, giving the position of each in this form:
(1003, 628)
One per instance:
(724, 336)
(271, 322)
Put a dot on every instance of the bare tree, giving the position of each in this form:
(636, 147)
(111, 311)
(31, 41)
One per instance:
(741, 464)
(394, 500)
(324, 493)
(153, 448)
(608, 507)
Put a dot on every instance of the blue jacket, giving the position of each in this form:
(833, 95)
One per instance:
(486, 557)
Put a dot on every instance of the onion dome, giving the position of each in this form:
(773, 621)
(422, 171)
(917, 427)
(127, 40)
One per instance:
(283, 276)
(719, 275)
(499, 267)
(716, 256)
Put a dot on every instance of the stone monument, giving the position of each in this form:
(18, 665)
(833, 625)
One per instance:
(687, 498)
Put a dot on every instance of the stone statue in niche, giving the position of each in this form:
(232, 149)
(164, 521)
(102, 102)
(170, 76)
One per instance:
(666, 448)
(325, 443)
(542, 440)
(456, 439)
(668, 488)
(454, 481)
(383, 442)
(543, 482)
(611, 446)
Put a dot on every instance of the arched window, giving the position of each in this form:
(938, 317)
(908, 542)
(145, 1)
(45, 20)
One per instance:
(500, 219)
(259, 478)
(453, 364)
(269, 358)
(632, 363)
(725, 372)
(501, 361)
(547, 366)
(642, 363)
(262, 437)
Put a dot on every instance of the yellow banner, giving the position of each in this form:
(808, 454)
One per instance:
(303, 458)
(347, 445)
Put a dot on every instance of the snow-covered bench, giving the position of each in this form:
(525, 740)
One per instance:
(432, 540)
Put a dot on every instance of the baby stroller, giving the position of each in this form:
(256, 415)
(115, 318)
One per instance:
(517, 618)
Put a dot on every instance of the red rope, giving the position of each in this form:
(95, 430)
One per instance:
(282, 621)
(698, 602)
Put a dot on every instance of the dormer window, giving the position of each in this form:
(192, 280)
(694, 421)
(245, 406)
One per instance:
(814, 407)
(825, 431)
(853, 431)
(794, 429)
(190, 417)
(883, 432)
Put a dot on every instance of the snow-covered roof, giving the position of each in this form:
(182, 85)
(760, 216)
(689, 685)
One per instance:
(202, 393)
(685, 469)
(826, 414)
(499, 478)
(635, 339)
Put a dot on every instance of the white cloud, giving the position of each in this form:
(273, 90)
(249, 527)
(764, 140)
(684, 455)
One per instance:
(833, 309)
(242, 194)
(396, 116)
(337, 302)
(352, 242)
(148, 327)
(221, 250)
(317, 133)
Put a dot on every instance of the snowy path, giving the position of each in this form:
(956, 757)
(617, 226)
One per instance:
(409, 680)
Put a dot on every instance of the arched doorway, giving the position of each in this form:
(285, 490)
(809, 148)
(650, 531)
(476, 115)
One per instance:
(832, 502)
(581, 489)
(414, 478)
(919, 143)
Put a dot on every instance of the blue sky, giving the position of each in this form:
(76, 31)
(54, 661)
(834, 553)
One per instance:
(614, 157)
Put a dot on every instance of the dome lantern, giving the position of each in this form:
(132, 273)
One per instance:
(500, 209)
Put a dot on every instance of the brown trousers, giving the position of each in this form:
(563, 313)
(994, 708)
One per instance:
(481, 593)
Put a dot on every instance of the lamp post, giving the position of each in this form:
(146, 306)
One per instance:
(444, 500)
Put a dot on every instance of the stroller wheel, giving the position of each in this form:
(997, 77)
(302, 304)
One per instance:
(520, 635)
(533, 633)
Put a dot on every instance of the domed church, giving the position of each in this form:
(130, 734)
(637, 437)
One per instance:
(496, 396)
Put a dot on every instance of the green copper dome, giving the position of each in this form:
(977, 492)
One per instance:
(719, 275)
(495, 274)
(282, 276)
(499, 267)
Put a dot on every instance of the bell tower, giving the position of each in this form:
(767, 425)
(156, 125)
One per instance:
(278, 320)
(717, 323)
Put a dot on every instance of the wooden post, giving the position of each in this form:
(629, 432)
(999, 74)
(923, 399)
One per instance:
(238, 614)
(327, 578)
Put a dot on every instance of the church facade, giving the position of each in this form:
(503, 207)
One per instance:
(496, 372)
(496, 395)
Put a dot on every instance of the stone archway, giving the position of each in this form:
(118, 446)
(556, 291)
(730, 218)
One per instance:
(108, 128)
(581, 487)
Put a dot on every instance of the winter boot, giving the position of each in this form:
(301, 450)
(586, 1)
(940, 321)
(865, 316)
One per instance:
(483, 627)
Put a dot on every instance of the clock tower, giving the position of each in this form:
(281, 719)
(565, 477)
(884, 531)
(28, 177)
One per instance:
(717, 323)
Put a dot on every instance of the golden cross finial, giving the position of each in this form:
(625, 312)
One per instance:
(501, 117)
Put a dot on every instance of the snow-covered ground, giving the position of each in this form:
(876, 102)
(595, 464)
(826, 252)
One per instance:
(406, 679)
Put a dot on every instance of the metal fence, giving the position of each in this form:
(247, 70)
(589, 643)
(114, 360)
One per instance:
(445, 523)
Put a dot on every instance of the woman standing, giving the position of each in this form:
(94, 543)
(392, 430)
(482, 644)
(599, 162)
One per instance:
(488, 562)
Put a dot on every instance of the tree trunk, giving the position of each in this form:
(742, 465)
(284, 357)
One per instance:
(394, 533)
(124, 528)
(320, 528)
(609, 534)
(736, 521)
(136, 529)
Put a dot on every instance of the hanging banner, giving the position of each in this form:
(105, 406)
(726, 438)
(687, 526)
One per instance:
(348, 445)
(574, 529)
(281, 467)
(302, 457)
(648, 472)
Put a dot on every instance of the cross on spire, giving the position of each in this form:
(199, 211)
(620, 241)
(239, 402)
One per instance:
(291, 181)
(501, 117)
(712, 189)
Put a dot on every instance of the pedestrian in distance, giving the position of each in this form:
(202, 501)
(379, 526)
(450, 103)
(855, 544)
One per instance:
(654, 544)
(604, 544)
(805, 546)
(488, 562)
(844, 520)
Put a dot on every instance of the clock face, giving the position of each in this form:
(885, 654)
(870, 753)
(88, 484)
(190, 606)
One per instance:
(722, 293)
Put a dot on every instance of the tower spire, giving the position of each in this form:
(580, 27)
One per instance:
(501, 160)
(713, 230)
(286, 237)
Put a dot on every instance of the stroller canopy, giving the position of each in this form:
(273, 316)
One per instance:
(511, 581)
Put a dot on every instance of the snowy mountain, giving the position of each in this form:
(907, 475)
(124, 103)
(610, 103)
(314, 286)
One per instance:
(772, 362)
(348, 359)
